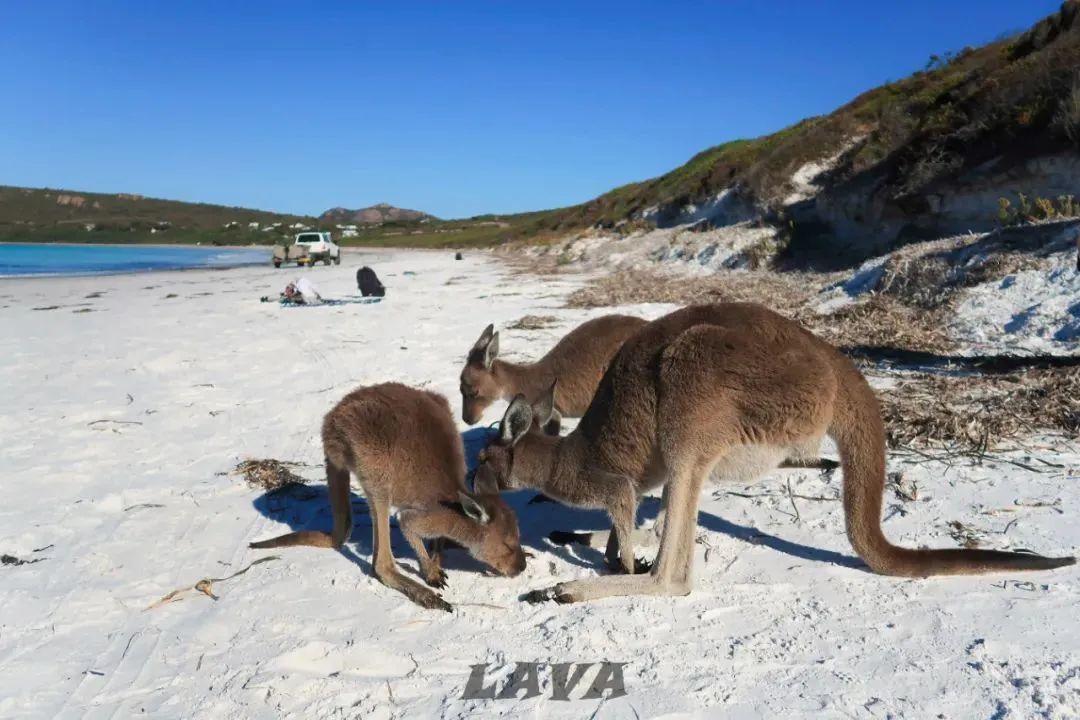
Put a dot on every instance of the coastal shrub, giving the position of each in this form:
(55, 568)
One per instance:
(1068, 115)
(1037, 209)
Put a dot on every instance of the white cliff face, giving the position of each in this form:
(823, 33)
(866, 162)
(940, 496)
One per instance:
(678, 249)
(806, 181)
(862, 217)
(728, 207)
(974, 200)
(857, 218)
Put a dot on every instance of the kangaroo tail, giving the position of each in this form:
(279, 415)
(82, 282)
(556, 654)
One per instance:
(859, 432)
(314, 538)
(337, 480)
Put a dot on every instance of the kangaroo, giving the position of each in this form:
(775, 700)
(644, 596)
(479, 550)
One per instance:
(403, 447)
(730, 390)
(577, 361)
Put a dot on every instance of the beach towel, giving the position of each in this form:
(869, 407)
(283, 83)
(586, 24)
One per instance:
(334, 302)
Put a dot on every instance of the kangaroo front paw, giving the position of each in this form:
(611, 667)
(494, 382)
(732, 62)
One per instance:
(562, 596)
(435, 578)
(559, 594)
(538, 596)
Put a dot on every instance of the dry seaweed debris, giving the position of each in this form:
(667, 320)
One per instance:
(884, 322)
(930, 274)
(786, 293)
(269, 474)
(533, 322)
(975, 413)
(968, 536)
(879, 320)
(932, 279)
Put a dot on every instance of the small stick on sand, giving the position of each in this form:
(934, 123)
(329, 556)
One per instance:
(205, 586)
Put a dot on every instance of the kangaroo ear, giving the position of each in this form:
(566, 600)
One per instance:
(486, 348)
(491, 351)
(473, 509)
(544, 409)
(485, 338)
(484, 482)
(482, 342)
(554, 425)
(516, 421)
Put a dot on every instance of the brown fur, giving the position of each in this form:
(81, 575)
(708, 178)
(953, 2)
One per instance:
(578, 361)
(403, 447)
(728, 390)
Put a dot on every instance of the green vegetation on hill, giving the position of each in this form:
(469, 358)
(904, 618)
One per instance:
(480, 231)
(1016, 97)
(47, 215)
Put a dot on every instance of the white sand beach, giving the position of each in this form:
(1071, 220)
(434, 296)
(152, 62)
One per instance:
(127, 404)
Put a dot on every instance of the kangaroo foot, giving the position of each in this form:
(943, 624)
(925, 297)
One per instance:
(435, 577)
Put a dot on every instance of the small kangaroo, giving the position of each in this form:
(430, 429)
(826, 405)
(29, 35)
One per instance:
(577, 361)
(728, 390)
(403, 447)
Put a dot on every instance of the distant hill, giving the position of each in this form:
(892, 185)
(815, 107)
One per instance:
(380, 213)
(45, 214)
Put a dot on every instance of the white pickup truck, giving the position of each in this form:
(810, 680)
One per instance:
(308, 248)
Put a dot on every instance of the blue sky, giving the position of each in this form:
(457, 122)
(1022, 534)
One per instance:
(455, 108)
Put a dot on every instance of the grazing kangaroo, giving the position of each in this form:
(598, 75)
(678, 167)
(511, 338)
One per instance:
(403, 447)
(730, 390)
(577, 361)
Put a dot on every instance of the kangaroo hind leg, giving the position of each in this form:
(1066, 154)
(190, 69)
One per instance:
(386, 569)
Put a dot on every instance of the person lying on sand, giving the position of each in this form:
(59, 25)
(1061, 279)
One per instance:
(301, 292)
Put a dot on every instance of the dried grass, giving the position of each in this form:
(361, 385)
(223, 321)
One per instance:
(930, 274)
(269, 474)
(882, 321)
(784, 292)
(533, 322)
(932, 279)
(966, 535)
(977, 413)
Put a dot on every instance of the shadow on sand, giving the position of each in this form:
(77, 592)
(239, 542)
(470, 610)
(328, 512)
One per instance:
(307, 507)
(986, 364)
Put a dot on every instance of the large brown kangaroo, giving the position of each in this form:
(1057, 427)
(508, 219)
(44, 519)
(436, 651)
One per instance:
(729, 390)
(403, 447)
(578, 361)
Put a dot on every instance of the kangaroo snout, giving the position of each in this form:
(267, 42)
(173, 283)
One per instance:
(518, 567)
